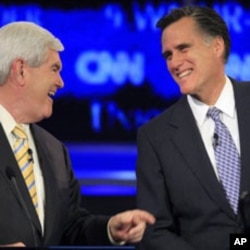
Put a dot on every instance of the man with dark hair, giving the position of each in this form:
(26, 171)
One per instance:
(193, 159)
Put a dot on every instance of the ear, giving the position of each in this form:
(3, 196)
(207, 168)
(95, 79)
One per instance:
(17, 70)
(219, 46)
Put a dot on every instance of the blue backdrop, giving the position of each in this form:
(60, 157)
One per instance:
(116, 80)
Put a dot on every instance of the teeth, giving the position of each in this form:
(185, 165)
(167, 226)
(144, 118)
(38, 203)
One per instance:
(51, 93)
(185, 73)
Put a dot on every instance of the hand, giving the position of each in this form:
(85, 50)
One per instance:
(16, 244)
(129, 226)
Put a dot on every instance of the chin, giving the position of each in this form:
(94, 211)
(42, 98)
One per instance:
(45, 116)
(186, 91)
(48, 112)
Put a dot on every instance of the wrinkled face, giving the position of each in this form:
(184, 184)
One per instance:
(41, 85)
(194, 60)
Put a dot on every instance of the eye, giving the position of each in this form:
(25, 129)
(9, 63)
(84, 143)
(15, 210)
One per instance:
(184, 49)
(167, 55)
(56, 68)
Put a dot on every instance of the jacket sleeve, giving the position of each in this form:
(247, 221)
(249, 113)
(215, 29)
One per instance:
(82, 227)
(153, 196)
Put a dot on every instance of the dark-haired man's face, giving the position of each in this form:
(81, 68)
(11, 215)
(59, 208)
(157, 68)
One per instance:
(193, 59)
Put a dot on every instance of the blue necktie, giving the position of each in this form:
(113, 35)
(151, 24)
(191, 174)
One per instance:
(227, 159)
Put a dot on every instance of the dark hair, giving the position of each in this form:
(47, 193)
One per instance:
(208, 20)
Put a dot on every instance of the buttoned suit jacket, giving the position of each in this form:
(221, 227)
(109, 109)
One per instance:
(176, 181)
(65, 222)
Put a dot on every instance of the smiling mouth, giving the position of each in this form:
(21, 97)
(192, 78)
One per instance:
(51, 94)
(184, 73)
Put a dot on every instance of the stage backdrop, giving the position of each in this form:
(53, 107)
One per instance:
(115, 80)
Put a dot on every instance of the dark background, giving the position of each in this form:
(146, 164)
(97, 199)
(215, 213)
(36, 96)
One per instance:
(72, 113)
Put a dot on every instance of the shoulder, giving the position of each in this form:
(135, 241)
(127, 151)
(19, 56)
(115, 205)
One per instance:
(43, 135)
(241, 88)
(240, 84)
(169, 117)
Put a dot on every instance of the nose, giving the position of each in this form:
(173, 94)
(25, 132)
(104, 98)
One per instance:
(60, 82)
(175, 62)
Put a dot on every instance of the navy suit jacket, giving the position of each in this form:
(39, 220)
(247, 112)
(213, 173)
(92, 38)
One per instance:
(176, 181)
(65, 222)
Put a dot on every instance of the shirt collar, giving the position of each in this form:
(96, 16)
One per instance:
(8, 121)
(225, 103)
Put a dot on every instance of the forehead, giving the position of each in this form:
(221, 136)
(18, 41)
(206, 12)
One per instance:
(183, 29)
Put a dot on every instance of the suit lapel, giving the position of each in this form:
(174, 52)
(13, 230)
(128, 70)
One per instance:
(51, 196)
(6, 153)
(8, 160)
(188, 140)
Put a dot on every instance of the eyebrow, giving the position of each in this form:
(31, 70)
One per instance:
(181, 46)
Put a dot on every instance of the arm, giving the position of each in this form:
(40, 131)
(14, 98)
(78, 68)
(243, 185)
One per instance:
(82, 227)
(127, 226)
(153, 196)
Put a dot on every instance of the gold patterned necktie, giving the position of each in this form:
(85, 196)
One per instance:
(25, 162)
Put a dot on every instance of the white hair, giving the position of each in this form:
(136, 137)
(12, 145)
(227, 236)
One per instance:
(25, 40)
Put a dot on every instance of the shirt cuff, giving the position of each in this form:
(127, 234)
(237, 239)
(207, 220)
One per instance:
(117, 243)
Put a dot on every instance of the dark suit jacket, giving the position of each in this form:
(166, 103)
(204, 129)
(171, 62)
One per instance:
(65, 222)
(177, 183)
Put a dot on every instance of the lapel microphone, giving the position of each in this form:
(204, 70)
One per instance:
(216, 141)
(30, 152)
(12, 177)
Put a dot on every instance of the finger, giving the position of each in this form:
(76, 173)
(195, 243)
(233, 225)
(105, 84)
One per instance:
(139, 228)
(17, 244)
(146, 216)
(135, 236)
